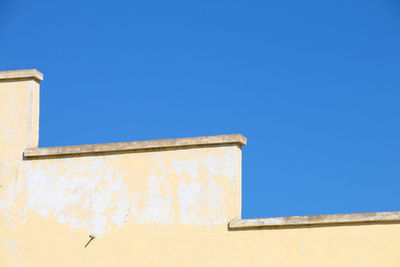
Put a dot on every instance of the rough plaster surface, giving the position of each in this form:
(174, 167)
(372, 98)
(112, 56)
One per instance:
(95, 194)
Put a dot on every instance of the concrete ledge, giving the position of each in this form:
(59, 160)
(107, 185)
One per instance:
(21, 75)
(138, 145)
(349, 218)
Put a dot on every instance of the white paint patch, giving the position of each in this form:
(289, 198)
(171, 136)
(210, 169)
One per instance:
(10, 207)
(188, 167)
(90, 193)
(201, 199)
(12, 247)
(158, 207)
(94, 198)
(201, 204)
(226, 165)
(85, 194)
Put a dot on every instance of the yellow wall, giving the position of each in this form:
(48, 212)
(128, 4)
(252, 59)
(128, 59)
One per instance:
(165, 207)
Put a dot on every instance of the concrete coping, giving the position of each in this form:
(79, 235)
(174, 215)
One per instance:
(230, 139)
(21, 75)
(331, 219)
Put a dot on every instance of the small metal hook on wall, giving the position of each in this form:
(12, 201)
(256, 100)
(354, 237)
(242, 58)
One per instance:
(90, 240)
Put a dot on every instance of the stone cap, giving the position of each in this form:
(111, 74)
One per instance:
(230, 139)
(330, 219)
(21, 75)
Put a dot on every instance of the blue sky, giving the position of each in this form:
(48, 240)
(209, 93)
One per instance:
(313, 85)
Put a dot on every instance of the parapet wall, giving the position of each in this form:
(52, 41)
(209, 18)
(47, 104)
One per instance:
(172, 202)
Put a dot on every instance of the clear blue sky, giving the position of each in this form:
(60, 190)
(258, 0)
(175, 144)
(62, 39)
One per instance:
(313, 85)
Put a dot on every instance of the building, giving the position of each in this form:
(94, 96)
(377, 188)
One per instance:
(172, 202)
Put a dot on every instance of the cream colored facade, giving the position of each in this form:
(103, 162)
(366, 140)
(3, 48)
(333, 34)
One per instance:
(173, 202)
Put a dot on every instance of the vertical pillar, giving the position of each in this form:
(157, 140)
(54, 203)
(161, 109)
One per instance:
(19, 119)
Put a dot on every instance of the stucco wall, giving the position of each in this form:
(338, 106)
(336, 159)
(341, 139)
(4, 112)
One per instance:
(166, 206)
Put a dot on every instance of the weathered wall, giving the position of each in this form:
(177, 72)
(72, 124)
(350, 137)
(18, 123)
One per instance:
(137, 199)
(167, 206)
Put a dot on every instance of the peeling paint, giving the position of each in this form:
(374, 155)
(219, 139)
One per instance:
(12, 247)
(158, 207)
(93, 200)
(201, 203)
(95, 195)
(226, 165)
